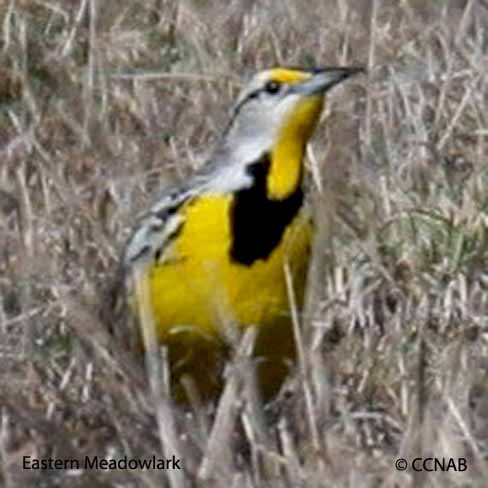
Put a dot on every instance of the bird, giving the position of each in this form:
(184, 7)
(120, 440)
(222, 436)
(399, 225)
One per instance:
(213, 250)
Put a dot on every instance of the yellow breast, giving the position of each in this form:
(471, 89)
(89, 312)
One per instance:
(201, 288)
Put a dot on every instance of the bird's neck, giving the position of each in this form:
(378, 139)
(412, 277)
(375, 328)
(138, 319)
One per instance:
(286, 169)
(288, 152)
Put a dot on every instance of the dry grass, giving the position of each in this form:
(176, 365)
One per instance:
(101, 102)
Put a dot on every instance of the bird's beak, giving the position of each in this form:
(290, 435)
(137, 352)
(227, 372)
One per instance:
(325, 78)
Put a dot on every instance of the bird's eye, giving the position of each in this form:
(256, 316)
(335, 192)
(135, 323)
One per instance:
(272, 87)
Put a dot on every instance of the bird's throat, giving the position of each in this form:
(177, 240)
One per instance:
(285, 173)
(288, 153)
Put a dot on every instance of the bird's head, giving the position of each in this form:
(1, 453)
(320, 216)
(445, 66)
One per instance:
(275, 116)
(283, 103)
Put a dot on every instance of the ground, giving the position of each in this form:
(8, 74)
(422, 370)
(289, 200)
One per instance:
(102, 103)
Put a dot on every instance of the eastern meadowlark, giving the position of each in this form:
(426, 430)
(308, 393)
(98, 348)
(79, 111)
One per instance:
(214, 249)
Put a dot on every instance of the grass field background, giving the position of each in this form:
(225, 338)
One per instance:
(104, 102)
